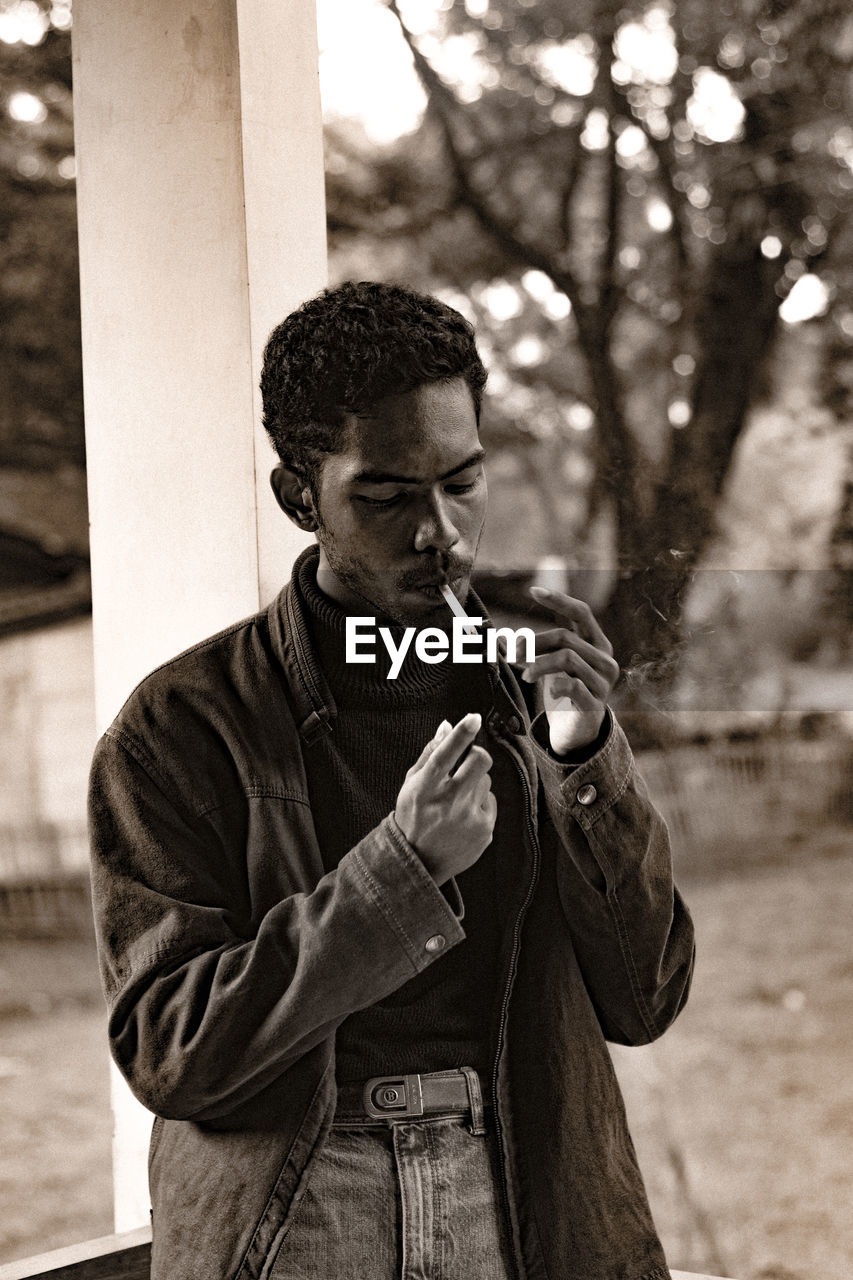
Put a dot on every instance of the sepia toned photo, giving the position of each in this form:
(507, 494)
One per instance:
(426, 507)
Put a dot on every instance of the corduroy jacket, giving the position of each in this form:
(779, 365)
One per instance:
(229, 958)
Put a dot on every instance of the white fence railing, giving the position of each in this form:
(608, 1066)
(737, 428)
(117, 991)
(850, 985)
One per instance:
(42, 850)
(44, 878)
(741, 791)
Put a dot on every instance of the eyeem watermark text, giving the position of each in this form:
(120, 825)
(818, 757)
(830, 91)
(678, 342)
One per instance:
(432, 644)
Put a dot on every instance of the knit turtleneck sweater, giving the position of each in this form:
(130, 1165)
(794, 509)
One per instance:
(446, 1015)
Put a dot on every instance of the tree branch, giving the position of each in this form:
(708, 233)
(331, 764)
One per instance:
(617, 450)
(609, 293)
(443, 103)
(569, 185)
(661, 149)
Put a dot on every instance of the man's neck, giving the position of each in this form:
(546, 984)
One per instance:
(343, 596)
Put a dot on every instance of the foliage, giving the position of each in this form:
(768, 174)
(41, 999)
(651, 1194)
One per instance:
(662, 173)
(41, 411)
(620, 195)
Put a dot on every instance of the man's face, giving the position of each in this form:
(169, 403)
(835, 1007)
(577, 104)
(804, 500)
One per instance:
(402, 501)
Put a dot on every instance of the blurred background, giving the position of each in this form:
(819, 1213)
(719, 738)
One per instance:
(646, 212)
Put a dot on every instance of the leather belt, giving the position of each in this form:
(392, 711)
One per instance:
(400, 1096)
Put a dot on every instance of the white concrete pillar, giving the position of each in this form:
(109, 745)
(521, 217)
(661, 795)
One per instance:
(201, 214)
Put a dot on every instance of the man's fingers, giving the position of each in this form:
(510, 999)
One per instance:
(566, 660)
(577, 612)
(444, 756)
(562, 638)
(476, 765)
(489, 805)
(482, 792)
(439, 735)
(576, 692)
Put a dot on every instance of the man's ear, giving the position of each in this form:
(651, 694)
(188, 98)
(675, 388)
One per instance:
(293, 495)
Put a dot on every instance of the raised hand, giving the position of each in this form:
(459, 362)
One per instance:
(578, 672)
(448, 815)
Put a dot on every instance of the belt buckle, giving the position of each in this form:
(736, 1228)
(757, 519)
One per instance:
(392, 1097)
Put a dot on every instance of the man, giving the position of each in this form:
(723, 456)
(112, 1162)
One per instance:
(363, 938)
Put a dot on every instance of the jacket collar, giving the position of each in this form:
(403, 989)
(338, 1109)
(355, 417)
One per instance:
(314, 706)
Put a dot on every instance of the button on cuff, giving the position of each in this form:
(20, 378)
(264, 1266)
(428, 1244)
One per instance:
(435, 944)
(405, 894)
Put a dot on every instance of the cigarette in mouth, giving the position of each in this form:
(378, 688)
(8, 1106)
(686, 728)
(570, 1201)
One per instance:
(456, 608)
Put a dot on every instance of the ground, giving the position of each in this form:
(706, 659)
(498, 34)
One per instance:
(742, 1114)
(55, 1171)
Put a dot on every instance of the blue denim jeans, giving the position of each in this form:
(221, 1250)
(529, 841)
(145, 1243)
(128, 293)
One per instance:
(413, 1199)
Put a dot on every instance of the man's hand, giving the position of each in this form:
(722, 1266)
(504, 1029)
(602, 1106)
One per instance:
(578, 672)
(448, 816)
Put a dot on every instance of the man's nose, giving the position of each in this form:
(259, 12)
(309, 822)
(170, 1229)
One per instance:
(435, 529)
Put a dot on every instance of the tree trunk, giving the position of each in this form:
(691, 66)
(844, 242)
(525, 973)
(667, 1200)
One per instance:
(735, 330)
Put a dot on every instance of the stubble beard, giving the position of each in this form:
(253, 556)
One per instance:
(359, 579)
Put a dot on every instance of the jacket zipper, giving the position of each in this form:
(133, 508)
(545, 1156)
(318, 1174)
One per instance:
(513, 964)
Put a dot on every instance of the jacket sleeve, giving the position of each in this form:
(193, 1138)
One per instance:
(201, 1016)
(632, 933)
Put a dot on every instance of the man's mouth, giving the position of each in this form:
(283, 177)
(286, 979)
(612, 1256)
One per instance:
(432, 587)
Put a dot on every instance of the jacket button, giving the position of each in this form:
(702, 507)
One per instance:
(587, 794)
(436, 943)
(514, 724)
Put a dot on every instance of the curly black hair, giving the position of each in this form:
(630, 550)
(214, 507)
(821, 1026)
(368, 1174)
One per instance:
(348, 348)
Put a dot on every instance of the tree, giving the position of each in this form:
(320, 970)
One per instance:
(44, 526)
(672, 170)
(41, 419)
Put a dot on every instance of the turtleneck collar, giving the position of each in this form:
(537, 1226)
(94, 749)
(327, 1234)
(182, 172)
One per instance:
(359, 681)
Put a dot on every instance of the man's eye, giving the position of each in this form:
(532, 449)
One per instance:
(462, 488)
(379, 502)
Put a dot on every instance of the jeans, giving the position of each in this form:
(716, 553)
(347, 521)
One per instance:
(413, 1199)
